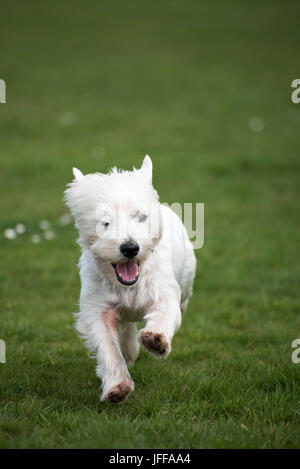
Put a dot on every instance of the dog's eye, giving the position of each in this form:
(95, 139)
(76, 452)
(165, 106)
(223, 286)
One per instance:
(142, 218)
(106, 224)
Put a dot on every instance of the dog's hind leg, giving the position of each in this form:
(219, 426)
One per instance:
(184, 305)
(129, 341)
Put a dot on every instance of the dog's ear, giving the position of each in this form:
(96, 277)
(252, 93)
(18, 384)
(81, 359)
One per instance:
(77, 174)
(146, 168)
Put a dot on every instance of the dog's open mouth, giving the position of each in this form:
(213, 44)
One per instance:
(127, 272)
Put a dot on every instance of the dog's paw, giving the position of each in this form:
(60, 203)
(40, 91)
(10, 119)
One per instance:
(155, 343)
(118, 393)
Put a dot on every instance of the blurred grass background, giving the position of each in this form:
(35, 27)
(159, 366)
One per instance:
(101, 83)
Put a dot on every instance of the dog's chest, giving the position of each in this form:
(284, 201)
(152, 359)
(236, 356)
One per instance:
(131, 304)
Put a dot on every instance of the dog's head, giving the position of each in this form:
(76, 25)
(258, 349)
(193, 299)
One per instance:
(118, 218)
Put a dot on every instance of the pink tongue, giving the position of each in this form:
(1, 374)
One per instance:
(128, 271)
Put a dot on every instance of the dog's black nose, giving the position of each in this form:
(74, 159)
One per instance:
(129, 249)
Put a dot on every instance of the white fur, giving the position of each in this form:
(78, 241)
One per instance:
(166, 272)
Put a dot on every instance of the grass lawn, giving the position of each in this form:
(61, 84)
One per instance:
(100, 84)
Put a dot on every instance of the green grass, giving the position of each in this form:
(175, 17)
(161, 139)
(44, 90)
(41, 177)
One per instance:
(178, 80)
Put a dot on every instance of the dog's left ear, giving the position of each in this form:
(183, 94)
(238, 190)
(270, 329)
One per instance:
(146, 168)
(77, 174)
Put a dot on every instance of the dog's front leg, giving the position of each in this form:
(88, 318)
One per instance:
(163, 319)
(101, 333)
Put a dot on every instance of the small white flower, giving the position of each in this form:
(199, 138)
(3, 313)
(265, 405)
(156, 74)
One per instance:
(20, 228)
(10, 233)
(67, 118)
(36, 239)
(65, 219)
(256, 124)
(44, 225)
(49, 234)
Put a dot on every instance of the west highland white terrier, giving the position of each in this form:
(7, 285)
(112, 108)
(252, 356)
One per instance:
(137, 263)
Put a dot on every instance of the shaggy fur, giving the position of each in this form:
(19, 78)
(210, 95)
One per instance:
(110, 210)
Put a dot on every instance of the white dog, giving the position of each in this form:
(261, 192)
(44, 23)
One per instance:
(137, 263)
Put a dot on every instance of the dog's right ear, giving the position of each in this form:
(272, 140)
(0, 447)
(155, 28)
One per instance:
(77, 174)
(72, 194)
(147, 168)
